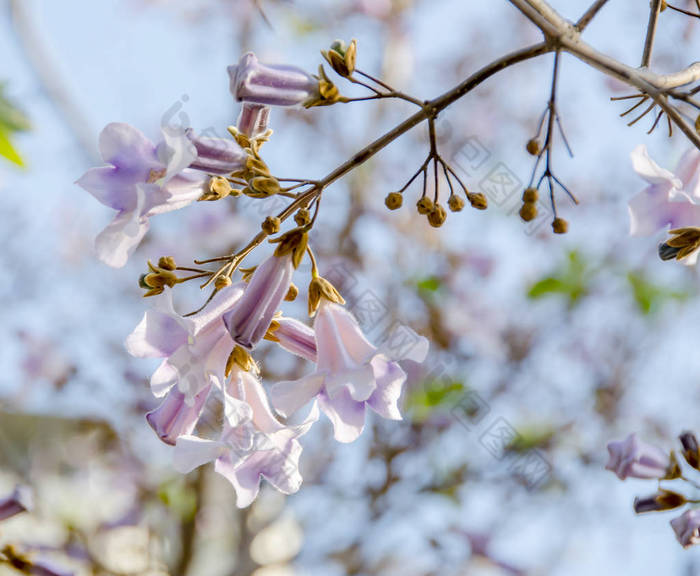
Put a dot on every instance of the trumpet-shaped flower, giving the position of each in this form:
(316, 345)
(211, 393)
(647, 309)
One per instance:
(251, 81)
(249, 320)
(253, 443)
(632, 458)
(142, 179)
(351, 375)
(670, 199)
(687, 528)
(194, 352)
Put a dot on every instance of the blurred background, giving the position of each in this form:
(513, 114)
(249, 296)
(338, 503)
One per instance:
(543, 348)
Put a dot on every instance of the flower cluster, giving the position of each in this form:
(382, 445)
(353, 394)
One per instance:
(208, 379)
(633, 458)
(671, 199)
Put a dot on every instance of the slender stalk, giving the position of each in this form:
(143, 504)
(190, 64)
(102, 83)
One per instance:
(654, 12)
(591, 13)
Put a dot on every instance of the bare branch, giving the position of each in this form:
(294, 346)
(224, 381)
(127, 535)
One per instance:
(654, 12)
(591, 13)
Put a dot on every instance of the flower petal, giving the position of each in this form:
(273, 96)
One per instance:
(191, 452)
(346, 415)
(288, 397)
(120, 238)
(390, 380)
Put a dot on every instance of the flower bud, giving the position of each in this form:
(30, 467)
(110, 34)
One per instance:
(341, 57)
(455, 203)
(691, 449)
(253, 119)
(560, 226)
(533, 147)
(167, 263)
(632, 458)
(531, 195)
(662, 500)
(218, 188)
(271, 85)
(221, 282)
(437, 216)
(424, 205)
(477, 200)
(528, 211)
(393, 200)
(302, 217)
(271, 225)
(292, 293)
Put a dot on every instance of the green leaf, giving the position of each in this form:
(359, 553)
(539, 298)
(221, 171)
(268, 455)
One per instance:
(7, 150)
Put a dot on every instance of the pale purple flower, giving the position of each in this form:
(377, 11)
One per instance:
(253, 443)
(295, 337)
(632, 458)
(140, 180)
(259, 83)
(20, 500)
(249, 320)
(216, 155)
(253, 119)
(687, 528)
(175, 417)
(351, 374)
(195, 350)
(671, 199)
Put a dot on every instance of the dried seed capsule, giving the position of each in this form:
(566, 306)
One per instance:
(424, 205)
(455, 203)
(560, 226)
(530, 195)
(528, 211)
(271, 225)
(437, 216)
(393, 201)
(533, 147)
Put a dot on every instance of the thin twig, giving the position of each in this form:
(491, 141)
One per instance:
(654, 11)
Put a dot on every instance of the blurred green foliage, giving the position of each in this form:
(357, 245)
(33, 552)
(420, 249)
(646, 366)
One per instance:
(571, 280)
(12, 120)
(649, 296)
(433, 395)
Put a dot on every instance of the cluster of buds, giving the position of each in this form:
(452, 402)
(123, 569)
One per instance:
(528, 211)
(633, 458)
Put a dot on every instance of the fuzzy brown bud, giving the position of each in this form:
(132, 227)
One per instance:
(302, 217)
(528, 211)
(437, 216)
(167, 263)
(322, 288)
(424, 205)
(271, 225)
(531, 195)
(477, 200)
(292, 293)
(393, 200)
(560, 226)
(455, 203)
(533, 147)
(222, 282)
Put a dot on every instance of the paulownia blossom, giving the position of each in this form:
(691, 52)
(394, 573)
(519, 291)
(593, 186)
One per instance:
(351, 375)
(195, 351)
(632, 458)
(142, 179)
(253, 444)
(671, 199)
(687, 528)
